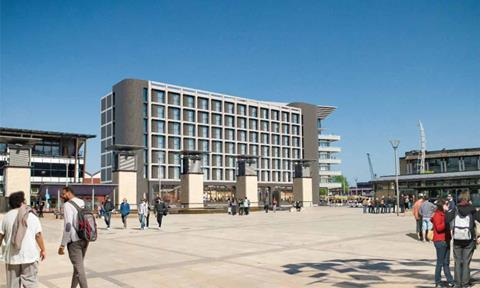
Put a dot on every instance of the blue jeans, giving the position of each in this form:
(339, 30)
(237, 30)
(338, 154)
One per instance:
(443, 261)
(108, 218)
(426, 225)
(141, 217)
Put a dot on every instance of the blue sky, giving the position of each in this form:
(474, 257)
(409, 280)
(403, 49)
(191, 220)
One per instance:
(384, 64)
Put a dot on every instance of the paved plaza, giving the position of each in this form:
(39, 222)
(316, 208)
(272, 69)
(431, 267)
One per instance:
(318, 247)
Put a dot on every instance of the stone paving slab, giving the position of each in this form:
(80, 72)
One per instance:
(318, 247)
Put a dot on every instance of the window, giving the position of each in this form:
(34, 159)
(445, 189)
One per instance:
(229, 134)
(203, 117)
(254, 150)
(242, 123)
(203, 146)
(296, 154)
(230, 148)
(275, 127)
(189, 115)
(217, 160)
(217, 146)
(145, 97)
(242, 109)
(188, 101)
(285, 140)
(265, 151)
(203, 103)
(174, 128)
(229, 108)
(242, 149)
(265, 125)
(275, 140)
(253, 111)
(217, 119)
(158, 111)
(229, 121)
(285, 129)
(471, 163)
(242, 136)
(205, 161)
(203, 131)
(276, 152)
(265, 138)
(173, 98)
(158, 141)
(230, 161)
(174, 143)
(285, 117)
(189, 144)
(253, 124)
(216, 106)
(296, 118)
(453, 164)
(264, 113)
(174, 113)
(158, 126)
(296, 141)
(189, 129)
(295, 130)
(158, 96)
(275, 115)
(254, 137)
(217, 133)
(319, 123)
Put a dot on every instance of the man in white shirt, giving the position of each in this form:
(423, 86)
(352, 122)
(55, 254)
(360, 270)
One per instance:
(76, 247)
(22, 233)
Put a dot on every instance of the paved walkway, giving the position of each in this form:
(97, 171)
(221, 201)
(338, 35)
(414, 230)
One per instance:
(319, 247)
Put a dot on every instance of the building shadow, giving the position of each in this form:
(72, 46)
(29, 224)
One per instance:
(367, 272)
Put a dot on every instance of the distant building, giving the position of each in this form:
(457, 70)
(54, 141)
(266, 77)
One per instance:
(52, 159)
(446, 172)
(92, 178)
(362, 189)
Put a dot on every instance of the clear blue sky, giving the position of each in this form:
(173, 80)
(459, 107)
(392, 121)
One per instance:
(384, 64)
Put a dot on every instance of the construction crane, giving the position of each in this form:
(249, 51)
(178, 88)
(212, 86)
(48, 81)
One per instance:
(423, 149)
(372, 175)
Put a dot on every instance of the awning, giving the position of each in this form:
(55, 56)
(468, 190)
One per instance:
(79, 189)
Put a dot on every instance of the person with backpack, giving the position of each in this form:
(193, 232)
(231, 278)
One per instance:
(462, 222)
(124, 211)
(160, 209)
(108, 207)
(441, 240)
(76, 245)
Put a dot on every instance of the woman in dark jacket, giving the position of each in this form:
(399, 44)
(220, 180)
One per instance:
(441, 240)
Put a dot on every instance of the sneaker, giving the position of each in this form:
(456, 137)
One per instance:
(451, 284)
(108, 228)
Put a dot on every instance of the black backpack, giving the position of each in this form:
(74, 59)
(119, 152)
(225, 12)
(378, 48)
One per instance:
(87, 226)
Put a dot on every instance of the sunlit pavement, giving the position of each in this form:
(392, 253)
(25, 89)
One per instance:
(318, 247)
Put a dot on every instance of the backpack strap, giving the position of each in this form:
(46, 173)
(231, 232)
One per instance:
(75, 205)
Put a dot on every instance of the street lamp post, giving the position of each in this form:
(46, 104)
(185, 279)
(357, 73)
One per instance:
(395, 144)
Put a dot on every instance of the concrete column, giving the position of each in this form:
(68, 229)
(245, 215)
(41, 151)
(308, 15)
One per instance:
(302, 190)
(191, 195)
(127, 187)
(247, 186)
(17, 179)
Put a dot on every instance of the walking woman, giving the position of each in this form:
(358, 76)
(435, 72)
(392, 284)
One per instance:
(441, 240)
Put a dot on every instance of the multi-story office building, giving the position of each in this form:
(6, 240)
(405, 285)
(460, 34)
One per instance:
(446, 171)
(166, 119)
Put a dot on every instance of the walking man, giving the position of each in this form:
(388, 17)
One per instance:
(160, 210)
(108, 207)
(418, 217)
(24, 247)
(246, 205)
(142, 213)
(426, 211)
(77, 248)
(124, 211)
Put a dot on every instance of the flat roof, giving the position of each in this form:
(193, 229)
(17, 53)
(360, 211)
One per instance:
(24, 133)
(432, 176)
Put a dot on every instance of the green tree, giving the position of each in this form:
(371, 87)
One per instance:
(343, 180)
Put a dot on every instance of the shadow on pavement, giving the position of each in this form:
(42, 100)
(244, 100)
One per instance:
(367, 272)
